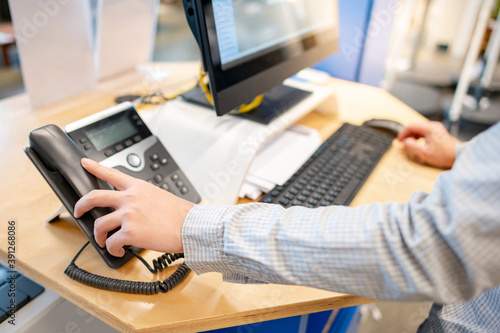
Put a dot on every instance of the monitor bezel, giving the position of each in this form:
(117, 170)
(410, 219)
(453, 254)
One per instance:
(240, 84)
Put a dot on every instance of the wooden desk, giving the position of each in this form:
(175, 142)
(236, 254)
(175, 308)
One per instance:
(201, 302)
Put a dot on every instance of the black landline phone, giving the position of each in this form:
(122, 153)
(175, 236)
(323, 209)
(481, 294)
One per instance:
(116, 137)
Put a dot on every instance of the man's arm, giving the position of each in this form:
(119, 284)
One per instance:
(441, 247)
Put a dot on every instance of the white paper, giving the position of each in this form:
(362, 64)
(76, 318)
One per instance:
(56, 48)
(125, 35)
(283, 155)
(250, 190)
(280, 158)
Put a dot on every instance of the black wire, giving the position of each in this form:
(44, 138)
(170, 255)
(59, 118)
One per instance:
(133, 287)
(161, 262)
(155, 98)
(150, 99)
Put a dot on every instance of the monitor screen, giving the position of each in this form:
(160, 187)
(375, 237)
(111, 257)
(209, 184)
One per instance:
(248, 29)
(249, 47)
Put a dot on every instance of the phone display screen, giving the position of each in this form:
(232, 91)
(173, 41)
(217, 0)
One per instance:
(111, 132)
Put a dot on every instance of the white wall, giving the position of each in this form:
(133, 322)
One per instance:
(443, 20)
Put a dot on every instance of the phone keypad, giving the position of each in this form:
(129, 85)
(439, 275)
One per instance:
(165, 174)
(159, 180)
(158, 168)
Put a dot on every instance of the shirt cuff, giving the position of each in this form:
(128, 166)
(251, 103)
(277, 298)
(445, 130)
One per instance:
(237, 278)
(202, 239)
(203, 242)
(459, 148)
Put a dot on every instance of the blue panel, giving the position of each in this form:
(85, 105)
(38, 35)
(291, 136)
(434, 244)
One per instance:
(353, 16)
(279, 325)
(373, 63)
(317, 321)
(346, 321)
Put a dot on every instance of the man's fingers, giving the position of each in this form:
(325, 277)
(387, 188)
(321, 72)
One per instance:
(416, 130)
(105, 224)
(407, 133)
(414, 148)
(96, 198)
(115, 244)
(112, 176)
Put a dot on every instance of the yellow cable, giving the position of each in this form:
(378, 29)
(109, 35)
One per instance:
(249, 107)
(204, 87)
(242, 109)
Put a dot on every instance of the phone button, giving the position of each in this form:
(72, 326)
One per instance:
(158, 178)
(134, 160)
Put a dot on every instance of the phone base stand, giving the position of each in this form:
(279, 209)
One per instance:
(57, 215)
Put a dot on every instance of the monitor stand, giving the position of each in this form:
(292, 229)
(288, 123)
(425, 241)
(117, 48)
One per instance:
(215, 153)
(276, 102)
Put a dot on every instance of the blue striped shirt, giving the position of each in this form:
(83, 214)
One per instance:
(442, 247)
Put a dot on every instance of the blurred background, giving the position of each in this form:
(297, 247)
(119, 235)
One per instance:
(415, 49)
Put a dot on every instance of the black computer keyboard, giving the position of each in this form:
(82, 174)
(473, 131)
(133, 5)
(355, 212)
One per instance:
(334, 174)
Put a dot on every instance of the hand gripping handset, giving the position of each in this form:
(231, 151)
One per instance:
(58, 158)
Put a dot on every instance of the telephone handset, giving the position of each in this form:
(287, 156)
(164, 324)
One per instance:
(117, 138)
(58, 158)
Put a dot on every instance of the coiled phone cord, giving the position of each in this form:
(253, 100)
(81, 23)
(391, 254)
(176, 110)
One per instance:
(132, 287)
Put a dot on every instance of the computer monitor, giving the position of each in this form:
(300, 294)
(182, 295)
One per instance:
(249, 47)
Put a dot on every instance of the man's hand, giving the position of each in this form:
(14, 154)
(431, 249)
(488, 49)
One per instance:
(438, 148)
(148, 216)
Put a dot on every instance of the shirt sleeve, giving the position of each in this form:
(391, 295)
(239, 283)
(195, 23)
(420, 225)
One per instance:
(440, 247)
(459, 148)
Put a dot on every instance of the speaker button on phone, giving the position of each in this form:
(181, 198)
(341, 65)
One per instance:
(134, 160)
